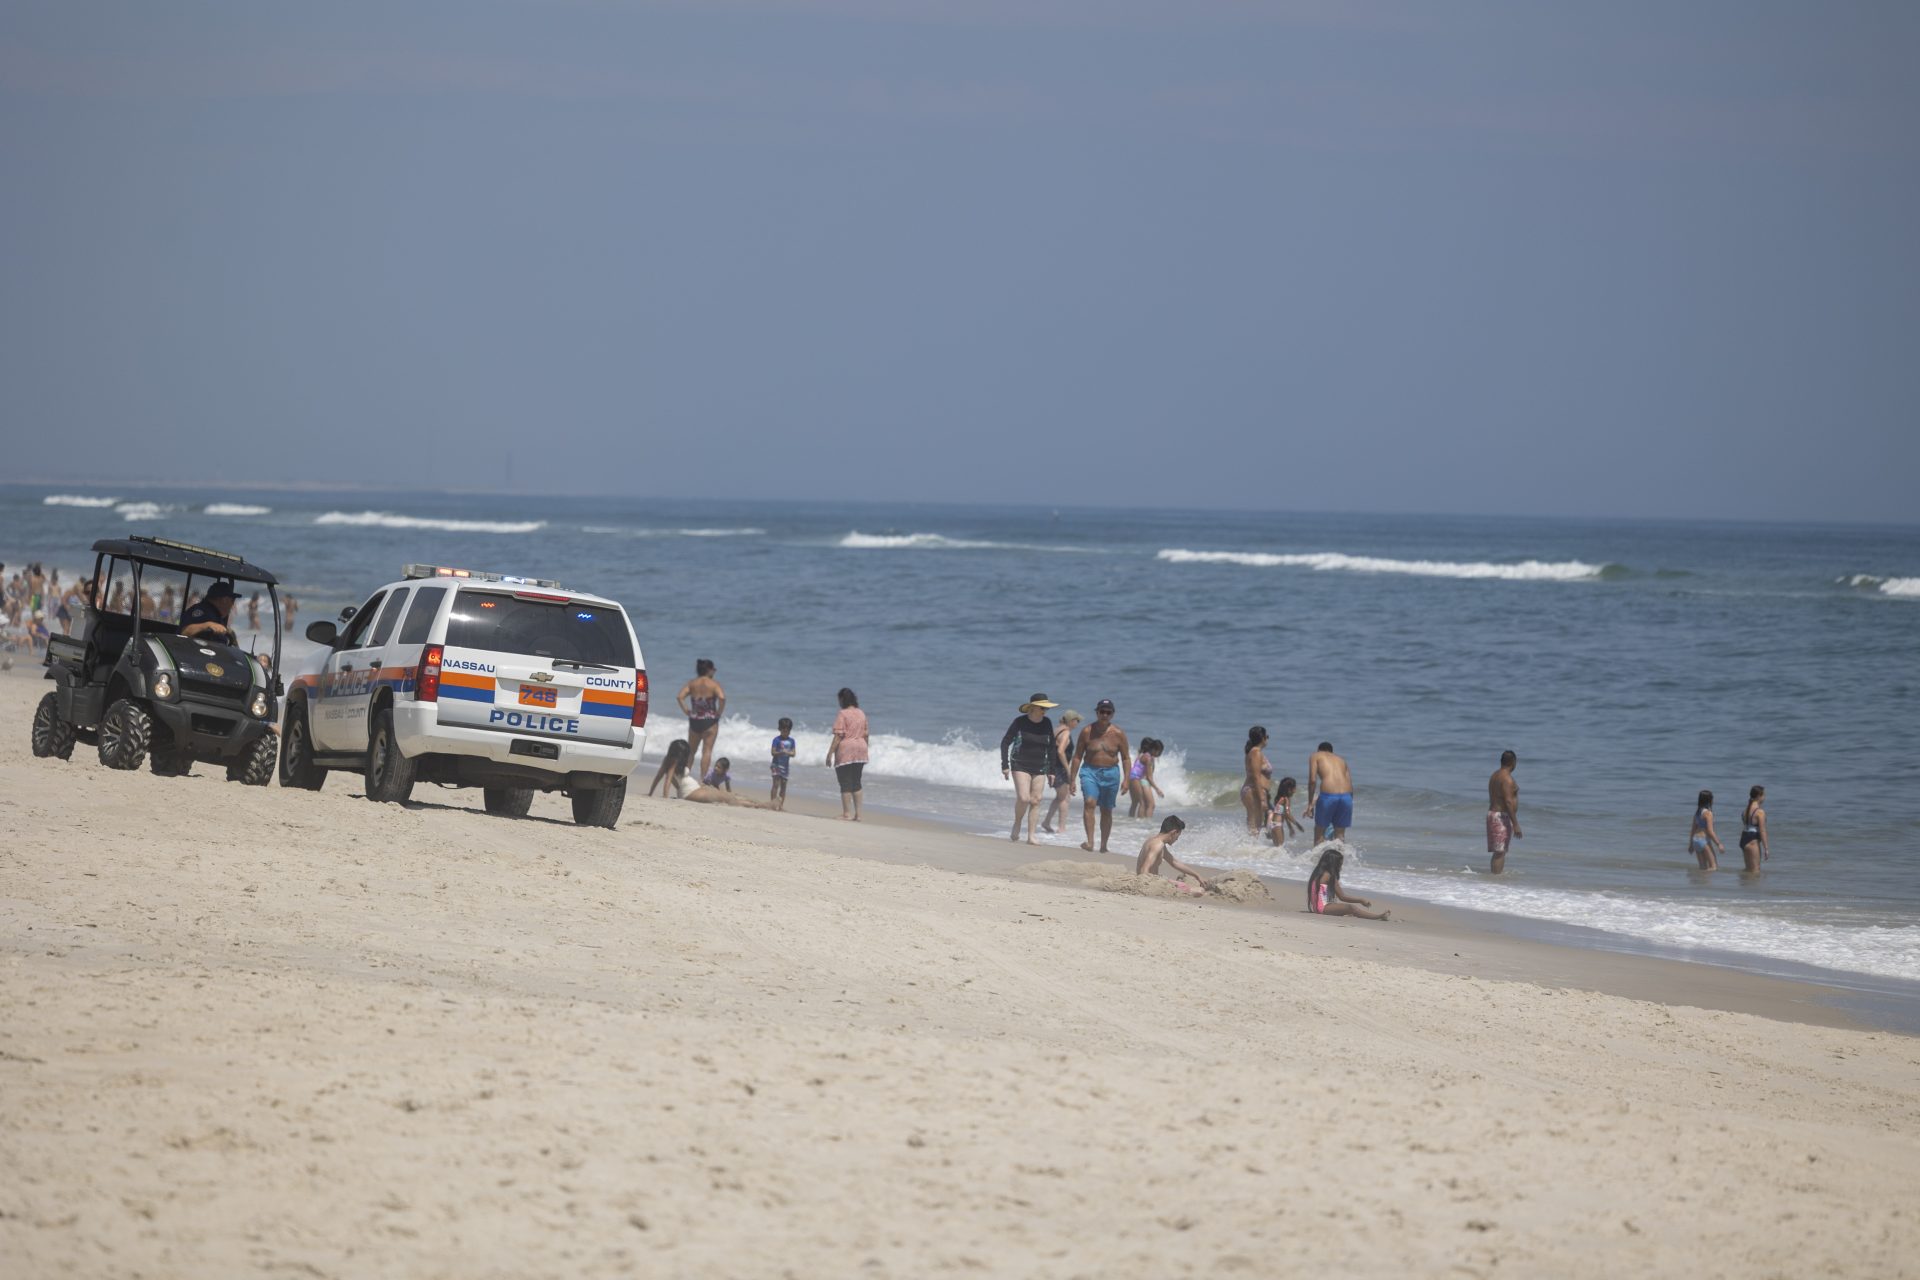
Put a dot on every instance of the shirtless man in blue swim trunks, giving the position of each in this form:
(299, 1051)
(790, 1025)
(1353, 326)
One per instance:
(1327, 774)
(1100, 758)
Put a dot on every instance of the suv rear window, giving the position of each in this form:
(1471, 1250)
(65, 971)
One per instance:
(507, 624)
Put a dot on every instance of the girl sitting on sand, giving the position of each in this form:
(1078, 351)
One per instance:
(1141, 788)
(1325, 897)
(1280, 819)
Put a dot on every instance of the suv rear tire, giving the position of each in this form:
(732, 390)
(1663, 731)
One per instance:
(52, 736)
(255, 766)
(507, 802)
(297, 768)
(389, 773)
(125, 733)
(601, 806)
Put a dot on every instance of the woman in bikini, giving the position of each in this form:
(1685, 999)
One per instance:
(1325, 897)
(1253, 792)
(1753, 829)
(1702, 843)
(703, 700)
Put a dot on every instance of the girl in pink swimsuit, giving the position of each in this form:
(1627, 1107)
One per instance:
(1325, 896)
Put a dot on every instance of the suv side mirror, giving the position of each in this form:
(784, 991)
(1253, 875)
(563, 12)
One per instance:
(321, 633)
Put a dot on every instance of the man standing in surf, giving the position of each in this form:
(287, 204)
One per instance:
(1100, 758)
(1503, 811)
(1328, 774)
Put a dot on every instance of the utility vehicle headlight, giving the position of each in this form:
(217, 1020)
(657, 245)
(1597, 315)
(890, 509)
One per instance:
(163, 685)
(258, 704)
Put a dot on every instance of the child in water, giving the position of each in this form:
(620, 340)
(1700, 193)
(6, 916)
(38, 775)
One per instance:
(783, 749)
(1141, 788)
(1325, 897)
(1280, 819)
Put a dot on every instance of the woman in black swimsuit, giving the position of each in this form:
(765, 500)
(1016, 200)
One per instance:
(1028, 754)
(1753, 829)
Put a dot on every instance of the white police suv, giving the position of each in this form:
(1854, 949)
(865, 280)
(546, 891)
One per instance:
(469, 679)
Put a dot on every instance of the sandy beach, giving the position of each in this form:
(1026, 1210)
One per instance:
(255, 1031)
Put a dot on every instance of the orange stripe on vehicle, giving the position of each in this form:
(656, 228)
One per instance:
(466, 680)
(612, 697)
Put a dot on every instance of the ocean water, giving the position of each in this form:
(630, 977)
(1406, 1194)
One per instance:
(1630, 664)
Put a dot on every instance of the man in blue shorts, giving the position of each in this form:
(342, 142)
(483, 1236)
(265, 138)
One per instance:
(1328, 774)
(1100, 760)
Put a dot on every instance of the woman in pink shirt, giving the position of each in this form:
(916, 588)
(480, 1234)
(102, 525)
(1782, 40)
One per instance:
(848, 753)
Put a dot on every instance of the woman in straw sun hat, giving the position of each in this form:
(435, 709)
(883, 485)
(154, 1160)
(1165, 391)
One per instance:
(1029, 754)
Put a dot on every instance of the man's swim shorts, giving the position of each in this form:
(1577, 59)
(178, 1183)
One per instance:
(1499, 831)
(1334, 810)
(1101, 784)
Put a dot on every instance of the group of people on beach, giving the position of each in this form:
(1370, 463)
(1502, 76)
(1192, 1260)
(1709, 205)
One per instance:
(34, 603)
(703, 701)
(1096, 761)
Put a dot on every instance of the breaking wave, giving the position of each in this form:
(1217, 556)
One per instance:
(1322, 561)
(387, 520)
(235, 509)
(145, 510)
(76, 500)
(936, 541)
(1904, 588)
(620, 531)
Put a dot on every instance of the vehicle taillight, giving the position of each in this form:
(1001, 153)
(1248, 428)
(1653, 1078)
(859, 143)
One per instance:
(426, 685)
(639, 699)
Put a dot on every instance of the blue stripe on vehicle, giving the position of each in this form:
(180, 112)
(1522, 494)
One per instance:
(603, 709)
(469, 695)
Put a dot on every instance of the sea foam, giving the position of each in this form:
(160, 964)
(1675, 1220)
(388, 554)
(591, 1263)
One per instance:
(235, 509)
(1323, 561)
(387, 520)
(76, 500)
(145, 510)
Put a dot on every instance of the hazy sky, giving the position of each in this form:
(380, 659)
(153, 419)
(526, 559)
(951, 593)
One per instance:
(1609, 258)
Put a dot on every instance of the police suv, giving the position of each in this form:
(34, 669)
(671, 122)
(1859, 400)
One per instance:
(470, 679)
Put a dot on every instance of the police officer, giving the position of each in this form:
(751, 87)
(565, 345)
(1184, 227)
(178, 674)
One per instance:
(208, 615)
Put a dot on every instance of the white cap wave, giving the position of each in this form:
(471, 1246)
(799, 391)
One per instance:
(1326, 561)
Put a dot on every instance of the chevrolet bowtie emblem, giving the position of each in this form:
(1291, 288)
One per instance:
(544, 677)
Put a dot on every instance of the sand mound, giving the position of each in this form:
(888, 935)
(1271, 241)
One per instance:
(1237, 886)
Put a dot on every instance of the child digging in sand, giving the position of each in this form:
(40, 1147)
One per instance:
(1159, 849)
(1325, 897)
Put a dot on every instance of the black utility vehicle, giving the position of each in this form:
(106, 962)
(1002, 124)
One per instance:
(129, 682)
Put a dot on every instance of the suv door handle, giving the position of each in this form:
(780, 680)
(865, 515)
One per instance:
(346, 666)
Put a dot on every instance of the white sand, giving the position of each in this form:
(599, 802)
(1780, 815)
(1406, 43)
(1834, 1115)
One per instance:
(255, 1031)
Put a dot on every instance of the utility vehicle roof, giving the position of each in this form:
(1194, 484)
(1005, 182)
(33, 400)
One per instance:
(183, 555)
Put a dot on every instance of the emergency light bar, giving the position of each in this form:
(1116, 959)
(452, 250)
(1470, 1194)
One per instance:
(477, 575)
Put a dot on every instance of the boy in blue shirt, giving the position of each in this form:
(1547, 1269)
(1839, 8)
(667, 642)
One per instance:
(783, 749)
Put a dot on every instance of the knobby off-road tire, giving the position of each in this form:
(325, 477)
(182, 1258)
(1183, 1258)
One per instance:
(125, 733)
(600, 808)
(52, 736)
(255, 767)
(297, 768)
(389, 774)
(166, 757)
(507, 802)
